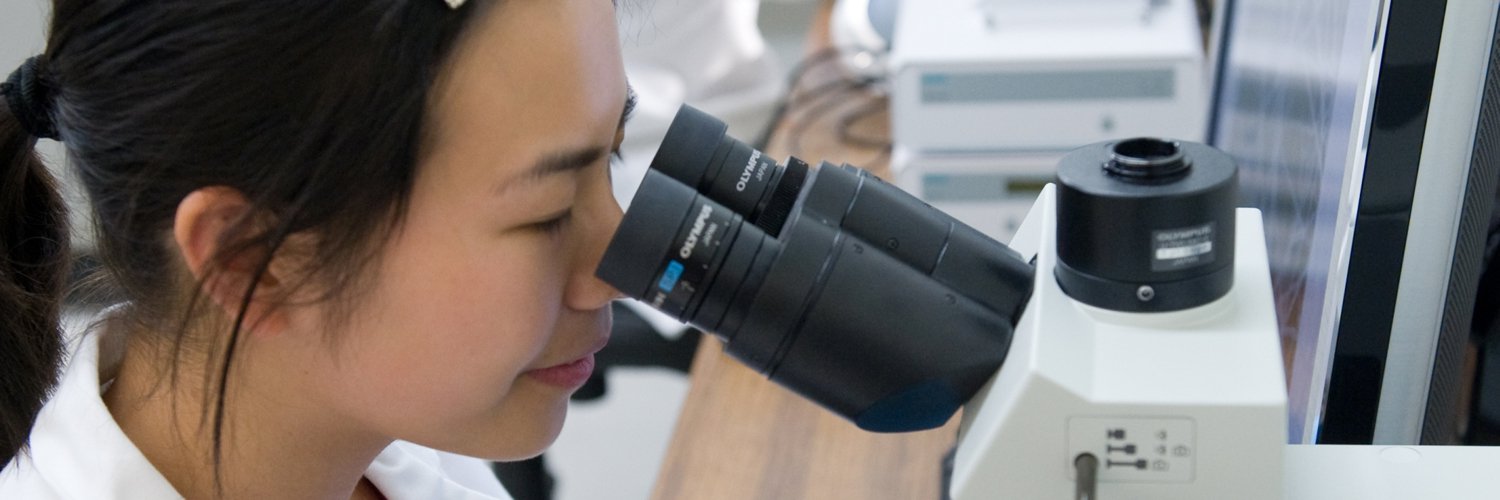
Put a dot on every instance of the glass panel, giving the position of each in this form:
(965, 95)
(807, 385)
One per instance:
(1290, 110)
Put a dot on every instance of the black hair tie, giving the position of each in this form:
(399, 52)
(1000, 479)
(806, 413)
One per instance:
(30, 100)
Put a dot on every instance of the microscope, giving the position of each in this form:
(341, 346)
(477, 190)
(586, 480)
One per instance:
(1123, 346)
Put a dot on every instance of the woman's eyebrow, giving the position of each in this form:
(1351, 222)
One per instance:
(553, 164)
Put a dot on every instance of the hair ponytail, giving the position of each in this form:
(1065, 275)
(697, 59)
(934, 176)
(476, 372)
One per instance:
(33, 265)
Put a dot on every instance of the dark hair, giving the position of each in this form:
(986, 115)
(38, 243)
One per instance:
(33, 261)
(314, 110)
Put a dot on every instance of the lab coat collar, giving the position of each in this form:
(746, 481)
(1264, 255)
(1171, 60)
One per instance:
(76, 446)
(408, 471)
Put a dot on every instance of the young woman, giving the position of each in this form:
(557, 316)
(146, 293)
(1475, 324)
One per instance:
(352, 234)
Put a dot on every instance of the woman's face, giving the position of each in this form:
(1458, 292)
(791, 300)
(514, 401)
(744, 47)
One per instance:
(483, 311)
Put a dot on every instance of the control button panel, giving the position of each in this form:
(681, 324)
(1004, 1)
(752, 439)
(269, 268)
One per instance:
(1135, 449)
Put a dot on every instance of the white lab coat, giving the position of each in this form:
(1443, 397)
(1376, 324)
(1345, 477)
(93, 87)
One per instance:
(78, 452)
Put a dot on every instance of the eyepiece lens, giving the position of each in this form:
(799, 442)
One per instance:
(698, 153)
(645, 234)
(690, 146)
(671, 246)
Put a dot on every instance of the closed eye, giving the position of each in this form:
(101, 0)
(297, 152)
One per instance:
(553, 226)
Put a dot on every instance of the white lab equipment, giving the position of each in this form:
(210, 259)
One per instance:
(1027, 76)
(987, 96)
(992, 192)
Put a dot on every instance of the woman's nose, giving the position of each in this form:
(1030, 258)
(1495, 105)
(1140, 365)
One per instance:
(587, 291)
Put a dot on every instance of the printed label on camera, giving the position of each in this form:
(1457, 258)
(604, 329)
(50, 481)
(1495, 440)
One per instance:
(1174, 249)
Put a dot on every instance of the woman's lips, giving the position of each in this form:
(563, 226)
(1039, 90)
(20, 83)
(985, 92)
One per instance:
(570, 375)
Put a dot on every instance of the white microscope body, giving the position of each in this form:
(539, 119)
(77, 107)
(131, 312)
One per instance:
(1179, 405)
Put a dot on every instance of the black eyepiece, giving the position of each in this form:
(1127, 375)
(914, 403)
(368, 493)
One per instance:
(691, 143)
(645, 234)
(682, 253)
(697, 153)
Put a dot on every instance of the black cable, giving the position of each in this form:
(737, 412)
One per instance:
(846, 123)
(821, 108)
(823, 89)
(818, 103)
(1088, 477)
(795, 77)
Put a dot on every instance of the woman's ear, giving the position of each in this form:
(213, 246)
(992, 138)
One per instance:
(208, 222)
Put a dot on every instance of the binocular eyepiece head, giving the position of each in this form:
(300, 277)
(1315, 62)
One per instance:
(766, 257)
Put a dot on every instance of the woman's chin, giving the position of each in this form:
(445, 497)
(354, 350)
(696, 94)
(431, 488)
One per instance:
(519, 440)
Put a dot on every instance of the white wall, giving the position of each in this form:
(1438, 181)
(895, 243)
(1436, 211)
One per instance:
(21, 26)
